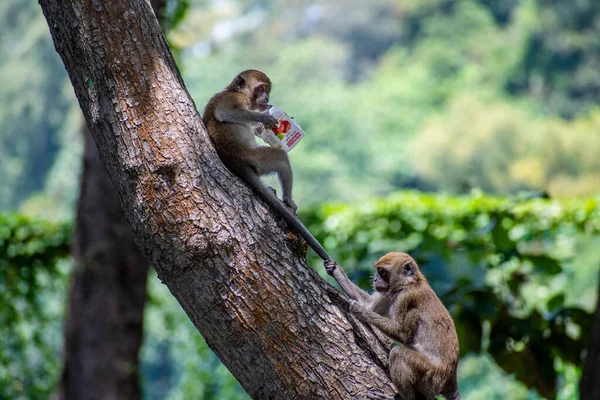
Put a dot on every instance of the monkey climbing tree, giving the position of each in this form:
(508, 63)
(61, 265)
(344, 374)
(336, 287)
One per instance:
(240, 276)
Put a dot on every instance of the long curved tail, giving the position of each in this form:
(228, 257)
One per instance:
(256, 184)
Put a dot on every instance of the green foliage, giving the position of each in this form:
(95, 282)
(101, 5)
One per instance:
(506, 269)
(497, 263)
(558, 67)
(30, 308)
(473, 370)
(35, 100)
(502, 148)
(173, 13)
(410, 65)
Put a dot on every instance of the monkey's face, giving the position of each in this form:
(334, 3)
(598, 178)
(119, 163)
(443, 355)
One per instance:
(254, 84)
(394, 271)
(260, 96)
(381, 280)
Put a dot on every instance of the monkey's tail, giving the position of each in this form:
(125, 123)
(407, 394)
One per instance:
(255, 183)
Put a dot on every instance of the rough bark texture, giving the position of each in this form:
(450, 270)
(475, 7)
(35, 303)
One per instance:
(104, 319)
(589, 386)
(103, 327)
(237, 272)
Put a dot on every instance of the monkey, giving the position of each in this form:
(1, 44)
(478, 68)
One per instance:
(232, 118)
(406, 309)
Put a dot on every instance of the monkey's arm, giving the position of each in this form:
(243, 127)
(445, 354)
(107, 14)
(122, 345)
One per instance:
(402, 333)
(353, 291)
(259, 129)
(241, 116)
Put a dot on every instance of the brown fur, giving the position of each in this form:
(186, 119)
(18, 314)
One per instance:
(231, 118)
(405, 308)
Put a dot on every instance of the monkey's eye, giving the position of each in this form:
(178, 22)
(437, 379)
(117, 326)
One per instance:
(383, 273)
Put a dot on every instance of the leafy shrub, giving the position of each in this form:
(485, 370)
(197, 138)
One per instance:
(498, 264)
(32, 281)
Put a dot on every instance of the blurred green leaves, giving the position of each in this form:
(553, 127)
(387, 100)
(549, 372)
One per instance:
(436, 95)
(32, 284)
(36, 105)
(502, 148)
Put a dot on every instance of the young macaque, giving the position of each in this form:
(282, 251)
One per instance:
(405, 308)
(232, 117)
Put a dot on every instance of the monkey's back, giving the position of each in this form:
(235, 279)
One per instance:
(436, 333)
(213, 126)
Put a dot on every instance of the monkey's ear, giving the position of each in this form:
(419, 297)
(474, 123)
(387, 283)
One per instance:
(239, 82)
(409, 269)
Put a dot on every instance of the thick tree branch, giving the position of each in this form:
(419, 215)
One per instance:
(235, 269)
(104, 318)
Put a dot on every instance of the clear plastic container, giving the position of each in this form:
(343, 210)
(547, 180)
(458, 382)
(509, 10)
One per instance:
(286, 135)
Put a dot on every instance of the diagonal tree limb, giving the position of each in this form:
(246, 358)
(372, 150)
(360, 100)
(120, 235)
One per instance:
(235, 269)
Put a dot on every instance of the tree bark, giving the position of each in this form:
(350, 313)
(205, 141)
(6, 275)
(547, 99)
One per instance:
(103, 326)
(104, 320)
(589, 386)
(236, 270)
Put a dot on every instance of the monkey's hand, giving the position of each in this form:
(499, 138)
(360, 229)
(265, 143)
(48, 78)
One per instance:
(357, 308)
(330, 266)
(272, 190)
(269, 122)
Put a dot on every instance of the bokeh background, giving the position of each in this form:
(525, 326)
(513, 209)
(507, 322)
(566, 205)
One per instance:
(466, 132)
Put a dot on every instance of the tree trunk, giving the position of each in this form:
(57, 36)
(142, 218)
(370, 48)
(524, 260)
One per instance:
(236, 270)
(104, 320)
(103, 327)
(589, 386)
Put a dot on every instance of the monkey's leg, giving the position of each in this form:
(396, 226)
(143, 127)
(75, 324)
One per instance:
(402, 374)
(272, 190)
(410, 372)
(270, 160)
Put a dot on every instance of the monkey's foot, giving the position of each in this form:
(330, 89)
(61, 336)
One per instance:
(291, 205)
(272, 190)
